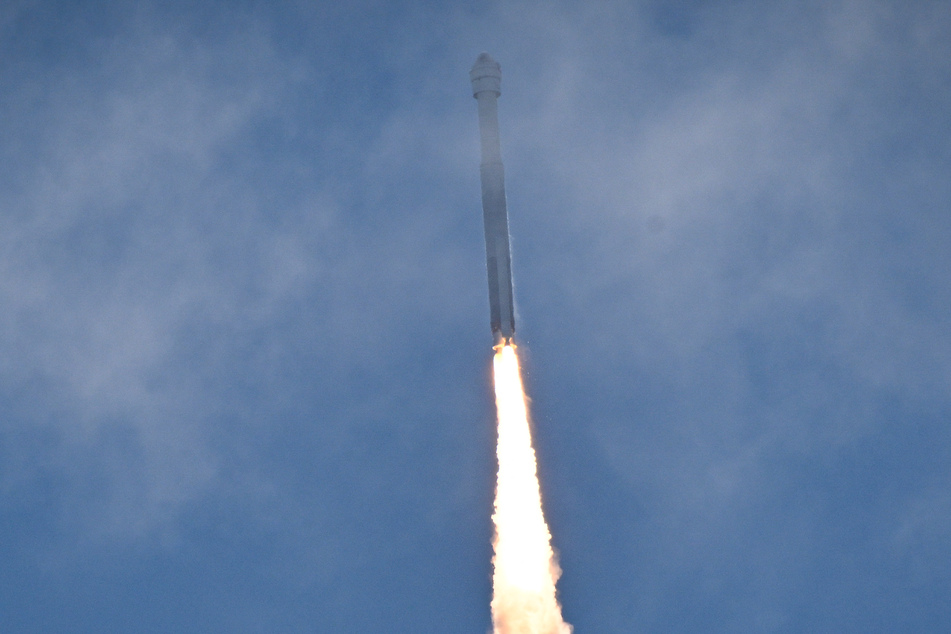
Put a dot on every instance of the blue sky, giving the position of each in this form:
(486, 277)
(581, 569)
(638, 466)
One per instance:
(244, 338)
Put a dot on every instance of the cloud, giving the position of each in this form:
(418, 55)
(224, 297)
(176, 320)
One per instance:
(753, 195)
(125, 243)
(244, 299)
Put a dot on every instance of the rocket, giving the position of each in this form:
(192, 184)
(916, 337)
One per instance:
(486, 76)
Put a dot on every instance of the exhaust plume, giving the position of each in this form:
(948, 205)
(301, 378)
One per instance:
(525, 566)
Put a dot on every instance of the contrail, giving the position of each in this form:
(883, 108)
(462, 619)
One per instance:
(525, 568)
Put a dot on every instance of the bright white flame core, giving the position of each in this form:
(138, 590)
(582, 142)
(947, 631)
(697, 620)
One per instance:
(526, 570)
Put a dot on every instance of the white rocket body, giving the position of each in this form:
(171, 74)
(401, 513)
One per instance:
(486, 78)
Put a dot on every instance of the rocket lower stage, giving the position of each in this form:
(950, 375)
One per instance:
(486, 78)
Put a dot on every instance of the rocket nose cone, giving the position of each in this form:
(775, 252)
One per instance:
(484, 58)
(485, 62)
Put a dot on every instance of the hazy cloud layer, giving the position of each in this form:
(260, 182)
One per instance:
(244, 370)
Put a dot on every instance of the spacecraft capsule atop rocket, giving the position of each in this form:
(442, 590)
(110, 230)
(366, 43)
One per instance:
(486, 76)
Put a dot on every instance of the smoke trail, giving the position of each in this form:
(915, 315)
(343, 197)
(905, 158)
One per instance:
(526, 570)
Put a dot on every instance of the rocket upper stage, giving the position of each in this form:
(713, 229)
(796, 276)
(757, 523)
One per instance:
(486, 76)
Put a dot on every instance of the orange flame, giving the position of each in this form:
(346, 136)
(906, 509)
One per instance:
(526, 568)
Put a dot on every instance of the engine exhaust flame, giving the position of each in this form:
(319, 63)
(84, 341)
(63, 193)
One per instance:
(526, 569)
